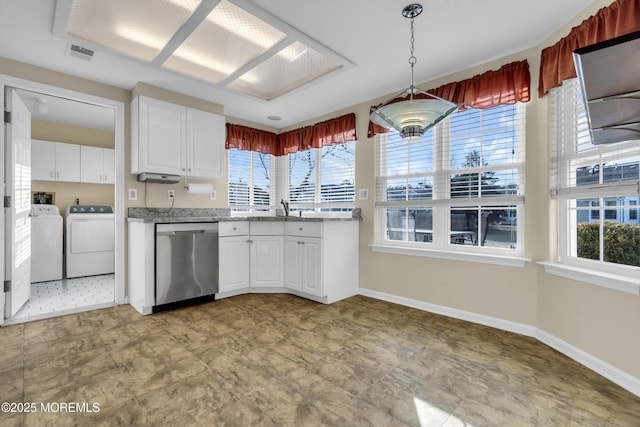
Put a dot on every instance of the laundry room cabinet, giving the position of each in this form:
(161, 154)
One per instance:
(97, 165)
(55, 161)
(173, 139)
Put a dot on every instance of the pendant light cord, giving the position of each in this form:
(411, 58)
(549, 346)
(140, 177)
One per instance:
(412, 61)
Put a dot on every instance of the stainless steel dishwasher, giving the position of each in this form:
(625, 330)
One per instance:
(186, 263)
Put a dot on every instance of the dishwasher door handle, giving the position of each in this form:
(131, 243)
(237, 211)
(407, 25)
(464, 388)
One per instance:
(187, 231)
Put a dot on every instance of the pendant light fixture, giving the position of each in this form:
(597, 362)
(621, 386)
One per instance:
(415, 113)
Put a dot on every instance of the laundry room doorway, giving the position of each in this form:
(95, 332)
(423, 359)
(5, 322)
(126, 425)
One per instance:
(77, 203)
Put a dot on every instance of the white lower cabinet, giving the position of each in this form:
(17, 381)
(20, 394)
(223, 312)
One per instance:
(303, 258)
(250, 255)
(265, 261)
(233, 257)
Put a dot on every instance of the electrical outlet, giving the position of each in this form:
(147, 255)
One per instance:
(171, 194)
(212, 195)
(133, 194)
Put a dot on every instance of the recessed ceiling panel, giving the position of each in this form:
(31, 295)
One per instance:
(292, 67)
(140, 28)
(226, 40)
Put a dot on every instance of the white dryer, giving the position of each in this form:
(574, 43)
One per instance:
(89, 240)
(46, 243)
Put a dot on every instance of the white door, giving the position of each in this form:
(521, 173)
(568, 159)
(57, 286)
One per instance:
(266, 261)
(293, 262)
(233, 258)
(17, 216)
(312, 262)
(205, 144)
(91, 165)
(67, 162)
(43, 160)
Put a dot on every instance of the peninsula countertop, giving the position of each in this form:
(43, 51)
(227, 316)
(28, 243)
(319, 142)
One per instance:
(167, 216)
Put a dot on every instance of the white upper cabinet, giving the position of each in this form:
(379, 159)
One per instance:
(97, 165)
(173, 139)
(55, 161)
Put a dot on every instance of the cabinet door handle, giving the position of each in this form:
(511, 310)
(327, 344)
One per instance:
(300, 229)
(50, 174)
(57, 174)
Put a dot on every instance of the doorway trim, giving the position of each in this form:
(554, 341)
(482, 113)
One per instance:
(119, 129)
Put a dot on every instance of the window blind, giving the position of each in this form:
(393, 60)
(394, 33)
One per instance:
(323, 178)
(475, 156)
(581, 168)
(249, 180)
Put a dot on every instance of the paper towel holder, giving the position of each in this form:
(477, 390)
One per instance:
(198, 188)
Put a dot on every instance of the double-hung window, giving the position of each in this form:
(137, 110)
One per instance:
(323, 179)
(459, 188)
(249, 180)
(597, 187)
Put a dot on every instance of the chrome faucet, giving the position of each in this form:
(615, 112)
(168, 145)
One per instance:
(285, 205)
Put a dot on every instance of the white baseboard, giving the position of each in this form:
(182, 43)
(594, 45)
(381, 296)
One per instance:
(610, 372)
(619, 377)
(506, 325)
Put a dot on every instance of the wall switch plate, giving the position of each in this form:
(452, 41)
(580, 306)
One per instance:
(363, 194)
(133, 194)
(171, 194)
(212, 195)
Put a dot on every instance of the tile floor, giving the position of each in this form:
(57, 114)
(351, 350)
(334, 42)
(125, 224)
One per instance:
(279, 360)
(66, 296)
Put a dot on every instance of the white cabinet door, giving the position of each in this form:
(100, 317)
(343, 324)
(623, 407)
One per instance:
(43, 160)
(266, 261)
(159, 137)
(174, 139)
(311, 248)
(109, 165)
(233, 259)
(205, 144)
(91, 165)
(97, 165)
(303, 264)
(67, 162)
(293, 268)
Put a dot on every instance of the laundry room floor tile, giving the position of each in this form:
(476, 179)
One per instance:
(49, 299)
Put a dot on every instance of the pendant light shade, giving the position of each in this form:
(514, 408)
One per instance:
(416, 112)
(413, 117)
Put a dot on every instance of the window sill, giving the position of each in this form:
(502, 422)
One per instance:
(616, 282)
(451, 255)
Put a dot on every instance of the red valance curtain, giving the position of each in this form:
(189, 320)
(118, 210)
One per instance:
(334, 131)
(556, 63)
(507, 85)
(246, 138)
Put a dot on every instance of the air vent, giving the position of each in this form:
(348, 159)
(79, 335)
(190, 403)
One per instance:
(80, 52)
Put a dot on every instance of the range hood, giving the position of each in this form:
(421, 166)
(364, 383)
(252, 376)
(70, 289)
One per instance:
(609, 74)
(158, 178)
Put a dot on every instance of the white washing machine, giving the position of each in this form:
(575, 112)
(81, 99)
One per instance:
(46, 243)
(89, 240)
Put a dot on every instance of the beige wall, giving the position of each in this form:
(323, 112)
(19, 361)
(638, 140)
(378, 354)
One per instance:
(66, 193)
(602, 322)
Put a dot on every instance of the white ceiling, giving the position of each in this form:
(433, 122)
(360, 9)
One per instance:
(450, 36)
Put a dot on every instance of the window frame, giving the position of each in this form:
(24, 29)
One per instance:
(442, 203)
(318, 206)
(252, 208)
(567, 131)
